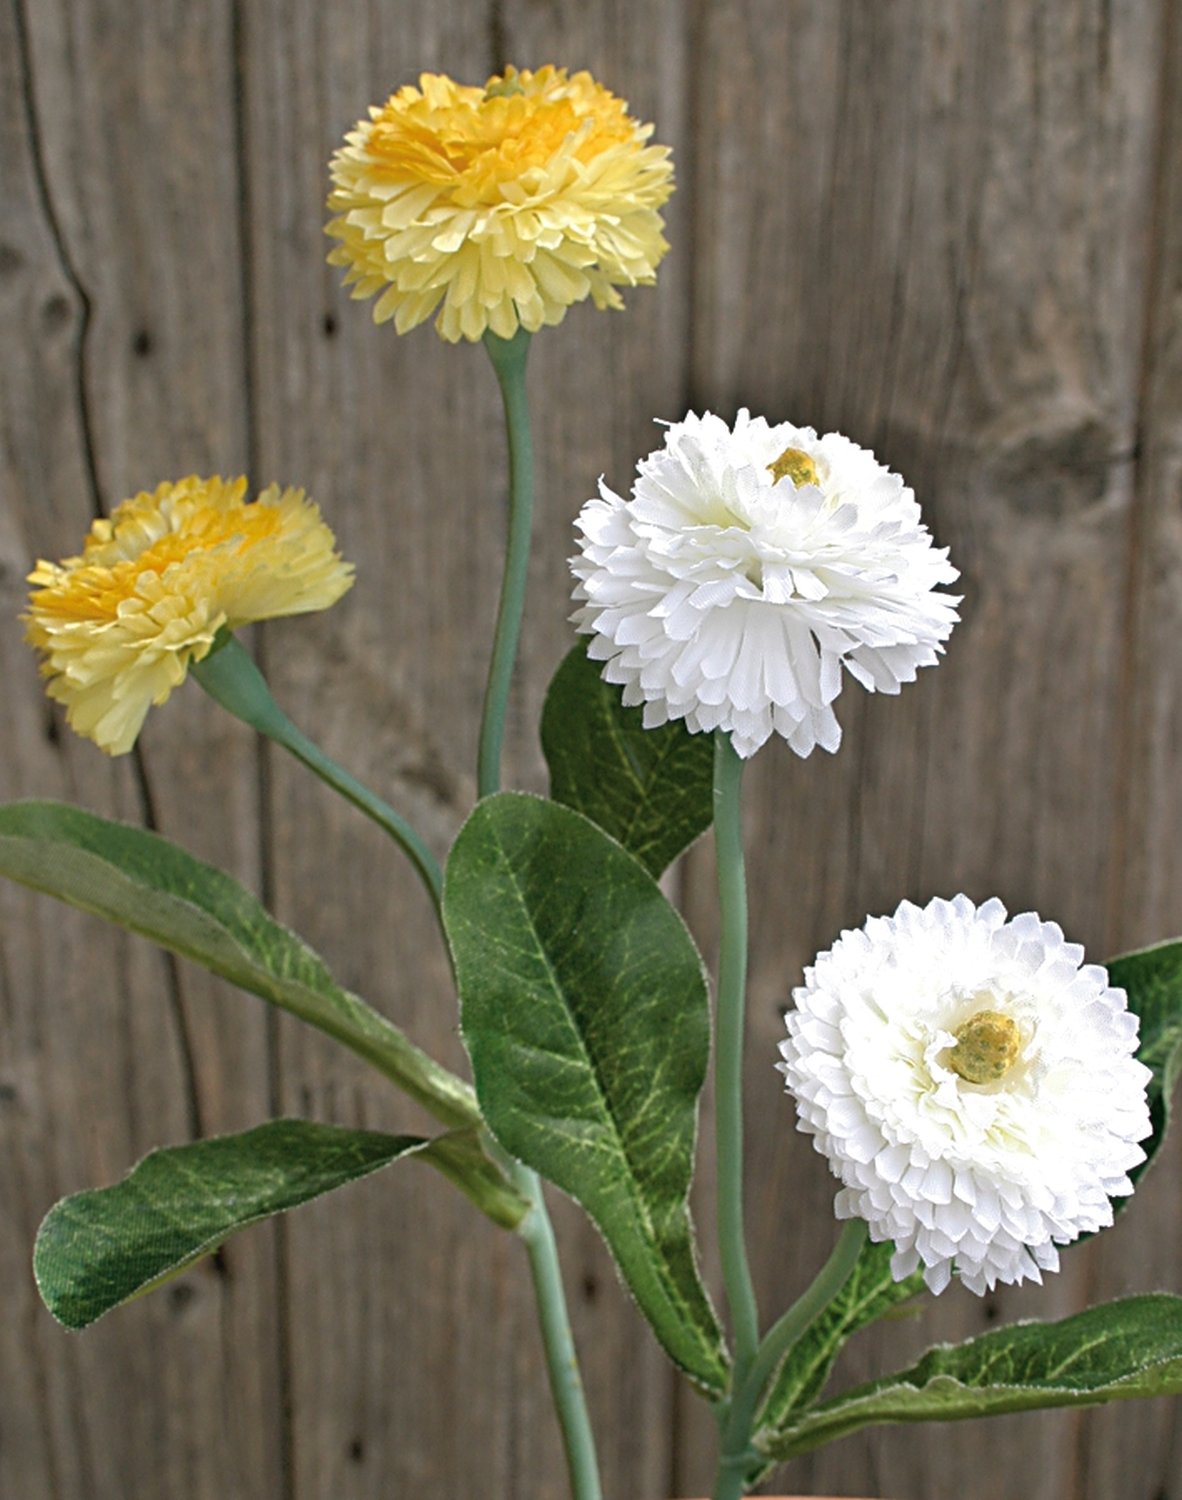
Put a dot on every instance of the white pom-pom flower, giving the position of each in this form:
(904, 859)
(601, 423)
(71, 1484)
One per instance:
(972, 1083)
(749, 567)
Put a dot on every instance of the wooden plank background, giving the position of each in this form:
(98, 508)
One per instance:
(953, 231)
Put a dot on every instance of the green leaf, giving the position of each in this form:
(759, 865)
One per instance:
(1128, 1348)
(1152, 979)
(585, 1011)
(651, 789)
(96, 1250)
(870, 1292)
(151, 886)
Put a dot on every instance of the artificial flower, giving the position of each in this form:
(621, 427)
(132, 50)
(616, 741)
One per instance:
(973, 1084)
(506, 203)
(750, 566)
(120, 625)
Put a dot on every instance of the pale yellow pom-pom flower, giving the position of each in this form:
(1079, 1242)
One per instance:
(120, 625)
(506, 203)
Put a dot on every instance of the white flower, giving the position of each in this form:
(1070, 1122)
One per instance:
(749, 567)
(972, 1083)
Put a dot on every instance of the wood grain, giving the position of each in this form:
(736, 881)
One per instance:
(125, 307)
(954, 232)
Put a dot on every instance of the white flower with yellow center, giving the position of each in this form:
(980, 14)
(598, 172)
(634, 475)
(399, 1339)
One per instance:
(750, 566)
(974, 1086)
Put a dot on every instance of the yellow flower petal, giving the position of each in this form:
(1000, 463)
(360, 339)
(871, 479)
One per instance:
(506, 204)
(119, 626)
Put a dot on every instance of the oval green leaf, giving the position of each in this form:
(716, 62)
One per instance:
(1122, 1349)
(96, 1250)
(651, 789)
(585, 1011)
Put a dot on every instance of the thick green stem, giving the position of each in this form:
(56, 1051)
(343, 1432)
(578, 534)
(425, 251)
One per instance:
(230, 676)
(731, 1483)
(728, 1052)
(738, 1456)
(508, 357)
(566, 1384)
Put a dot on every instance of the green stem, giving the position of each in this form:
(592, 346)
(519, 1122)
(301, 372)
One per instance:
(508, 358)
(787, 1331)
(566, 1385)
(230, 676)
(728, 1055)
(738, 1455)
(731, 1483)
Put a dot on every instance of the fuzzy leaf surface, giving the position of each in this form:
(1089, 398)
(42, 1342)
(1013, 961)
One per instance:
(651, 789)
(585, 1012)
(98, 1249)
(1118, 1350)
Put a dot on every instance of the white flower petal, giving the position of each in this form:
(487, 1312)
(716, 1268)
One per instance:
(984, 1179)
(735, 598)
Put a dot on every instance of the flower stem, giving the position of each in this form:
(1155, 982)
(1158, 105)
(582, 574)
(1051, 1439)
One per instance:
(229, 675)
(508, 358)
(566, 1384)
(787, 1331)
(738, 1456)
(728, 1055)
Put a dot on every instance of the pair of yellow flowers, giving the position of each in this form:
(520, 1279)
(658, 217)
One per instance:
(496, 208)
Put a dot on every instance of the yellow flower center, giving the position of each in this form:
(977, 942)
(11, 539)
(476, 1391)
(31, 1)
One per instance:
(794, 464)
(987, 1046)
(476, 140)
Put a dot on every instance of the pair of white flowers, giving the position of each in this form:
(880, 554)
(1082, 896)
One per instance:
(972, 1082)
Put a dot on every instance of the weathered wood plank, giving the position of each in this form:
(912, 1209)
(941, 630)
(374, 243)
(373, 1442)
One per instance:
(925, 227)
(123, 316)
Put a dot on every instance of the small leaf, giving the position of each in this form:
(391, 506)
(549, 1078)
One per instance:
(585, 1010)
(1152, 979)
(870, 1292)
(1128, 1348)
(651, 789)
(151, 886)
(98, 1249)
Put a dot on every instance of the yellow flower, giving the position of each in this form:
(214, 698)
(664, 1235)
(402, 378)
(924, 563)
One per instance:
(120, 625)
(506, 203)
